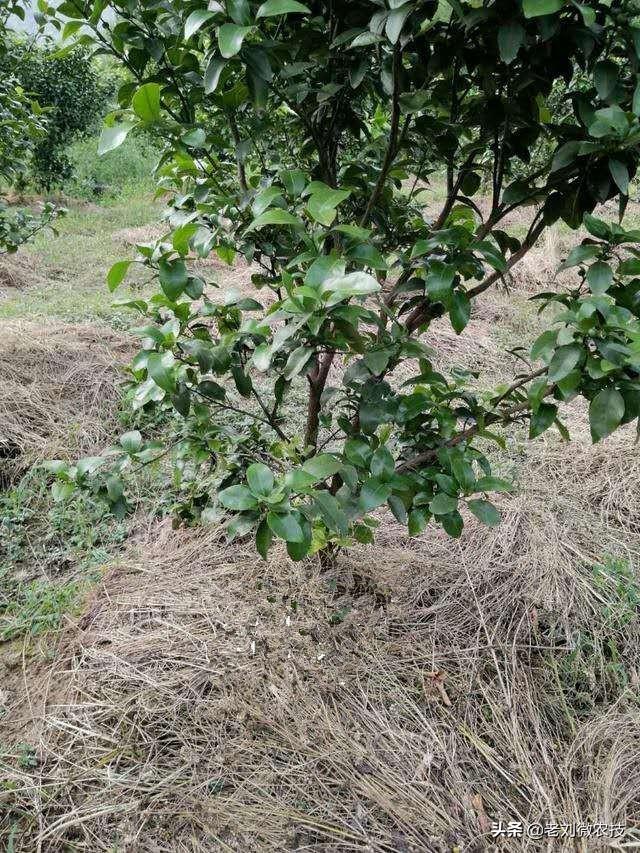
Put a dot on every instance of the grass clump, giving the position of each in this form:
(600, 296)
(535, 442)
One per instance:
(38, 608)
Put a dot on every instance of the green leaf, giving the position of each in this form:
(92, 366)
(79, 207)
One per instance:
(564, 360)
(264, 539)
(510, 39)
(242, 380)
(358, 452)
(597, 227)
(286, 526)
(260, 479)
(173, 278)
(599, 277)
(382, 464)
(113, 136)
(116, 274)
(237, 498)
(195, 138)
(212, 74)
(160, 369)
(439, 281)
(537, 8)
(294, 181)
(334, 290)
(605, 77)
(322, 466)
(459, 311)
(323, 202)
(484, 511)
(463, 472)
(331, 511)
(395, 22)
(629, 267)
(296, 361)
(195, 20)
(146, 103)
(212, 390)
(374, 493)
(131, 441)
(418, 520)
(299, 550)
(606, 411)
(363, 534)
(544, 346)
(275, 216)
(443, 504)
(273, 8)
(492, 484)
(397, 507)
(230, 38)
(452, 524)
(620, 175)
(239, 11)
(542, 419)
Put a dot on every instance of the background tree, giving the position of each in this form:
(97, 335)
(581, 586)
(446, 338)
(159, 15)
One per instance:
(22, 128)
(70, 91)
(289, 130)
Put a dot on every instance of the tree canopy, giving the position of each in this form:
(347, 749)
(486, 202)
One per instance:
(300, 137)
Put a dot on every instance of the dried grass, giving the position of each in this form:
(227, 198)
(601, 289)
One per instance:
(208, 701)
(58, 390)
(18, 271)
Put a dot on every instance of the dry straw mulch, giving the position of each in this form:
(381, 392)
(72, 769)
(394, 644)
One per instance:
(58, 390)
(209, 702)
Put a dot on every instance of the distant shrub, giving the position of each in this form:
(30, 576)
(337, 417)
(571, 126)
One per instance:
(122, 172)
(74, 95)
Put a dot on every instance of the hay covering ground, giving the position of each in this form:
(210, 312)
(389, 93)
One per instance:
(58, 390)
(209, 702)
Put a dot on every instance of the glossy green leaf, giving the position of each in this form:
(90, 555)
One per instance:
(237, 498)
(230, 38)
(322, 466)
(195, 20)
(484, 511)
(510, 39)
(112, 136)
(274, 216)
(264, 539)
(373, 494)
(272, 8)
(542, 419)
(564, 360)
(538, 8)
(117, 273)
(606, 411)
(443, 504)
(599, 277)
(260, 479)
(146, 103)
(285, 526)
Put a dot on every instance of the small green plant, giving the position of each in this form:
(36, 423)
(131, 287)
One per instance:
(594, 671)
(37, 608)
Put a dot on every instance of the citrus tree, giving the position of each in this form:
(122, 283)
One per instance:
(299, 136)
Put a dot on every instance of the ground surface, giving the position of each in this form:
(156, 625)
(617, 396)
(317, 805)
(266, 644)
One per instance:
(161, 690)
